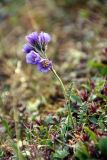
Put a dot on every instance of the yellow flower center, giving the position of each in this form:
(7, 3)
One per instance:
(45, 63)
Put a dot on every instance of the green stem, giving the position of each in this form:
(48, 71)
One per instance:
(65, 95)
(70, 116)
(62, 85)
(16, 119)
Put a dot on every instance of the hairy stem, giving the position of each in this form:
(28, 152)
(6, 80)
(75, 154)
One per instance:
(61, 83)
(65, 95)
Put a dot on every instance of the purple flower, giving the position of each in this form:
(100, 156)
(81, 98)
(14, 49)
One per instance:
(27, 48)
(44, 65)
(84, 95)
(44, 38)
(36, 46)
(32, 57)
(32, 38)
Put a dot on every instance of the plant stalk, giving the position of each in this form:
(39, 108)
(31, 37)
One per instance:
(61, 83)
(65, 95)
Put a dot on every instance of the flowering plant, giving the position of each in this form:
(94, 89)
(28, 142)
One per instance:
(35, 52)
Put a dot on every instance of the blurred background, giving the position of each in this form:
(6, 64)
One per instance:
(79, 35)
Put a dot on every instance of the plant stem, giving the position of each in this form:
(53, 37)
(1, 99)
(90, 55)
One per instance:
(70, 116)
(16, 118)
(62, 85)
(65, 95)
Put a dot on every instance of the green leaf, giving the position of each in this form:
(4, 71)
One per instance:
(63, 129)
(68, 121)
(69, 90)
(81, 151)
(47, 142)
(6, 126)
(93, 120)
(91, 134)
(17, 151)
(75, 98)
(103, 146)
(101, 67)
(61, 154)
(1, 153)
(49, 120)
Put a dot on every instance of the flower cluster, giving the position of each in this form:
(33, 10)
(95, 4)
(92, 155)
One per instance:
(35, 51)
